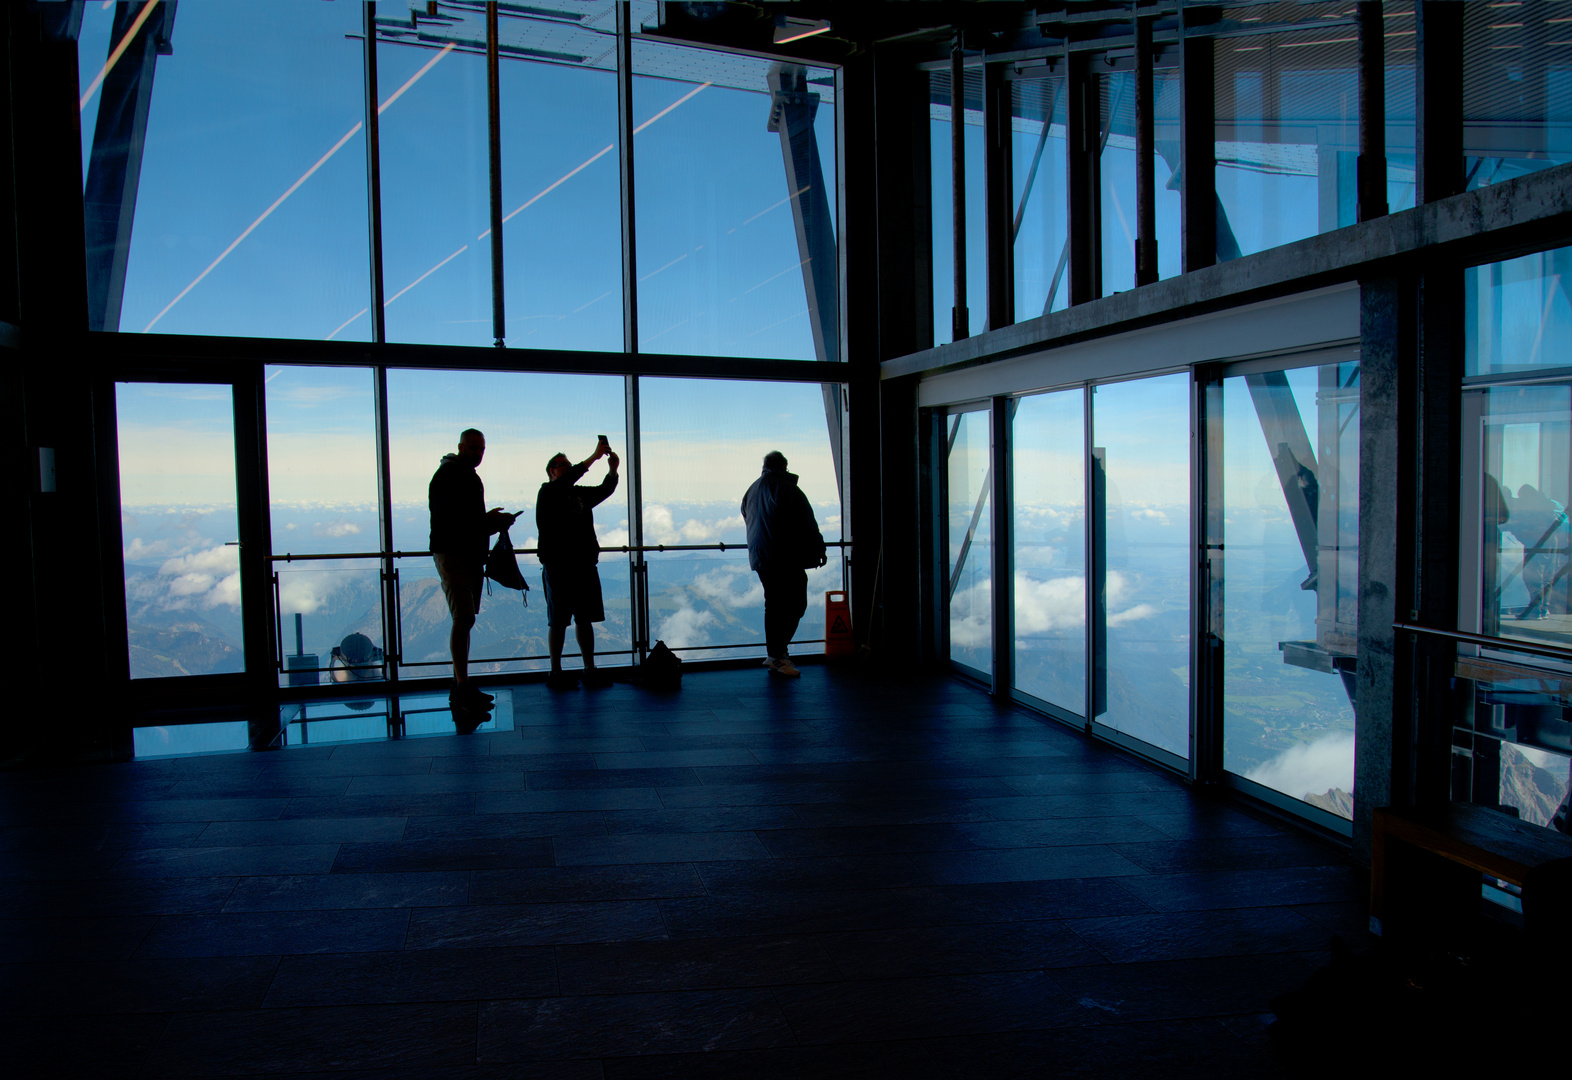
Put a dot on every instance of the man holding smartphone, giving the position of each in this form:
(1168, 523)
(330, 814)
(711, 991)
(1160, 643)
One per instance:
(569, 551)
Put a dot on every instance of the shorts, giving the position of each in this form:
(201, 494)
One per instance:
(572, 592)
(461, 585)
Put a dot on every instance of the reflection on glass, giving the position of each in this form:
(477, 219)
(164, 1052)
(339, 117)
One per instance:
(1049, 530)
(1524, 542)
(969, 471)
(736, 243)
(1041, 235)
(180, 529)
(178, 740)
(322, 460)
(1512, 740)
(1117, 165)
(1518, 313)
(1517, 90)
(1141, 430)
(1287, 129)
(250, 214)
(703, 444)
(940, 111)
(1290, 508)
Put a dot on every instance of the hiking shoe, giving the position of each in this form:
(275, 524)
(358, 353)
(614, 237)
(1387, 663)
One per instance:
(562, 680)
(785, 667)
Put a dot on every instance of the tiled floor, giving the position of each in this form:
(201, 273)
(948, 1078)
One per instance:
(840, 876)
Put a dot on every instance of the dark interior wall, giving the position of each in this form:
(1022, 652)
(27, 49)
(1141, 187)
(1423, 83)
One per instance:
(49, 381)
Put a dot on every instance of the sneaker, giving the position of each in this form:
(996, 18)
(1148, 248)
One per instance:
(470, 692)
(785, 667)
(769, 662)
(562, 680)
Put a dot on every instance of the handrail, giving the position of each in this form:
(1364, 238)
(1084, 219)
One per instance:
(1549, 652)
(625, 548)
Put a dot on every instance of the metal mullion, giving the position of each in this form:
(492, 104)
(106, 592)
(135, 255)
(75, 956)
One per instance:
(499, 322)
(392, 643)
(1370, 180)
(630, 284)
(373, 175)
(1001, 418)
(1197, 149)
(960, 321)
(1145, 152)
(1088, 527)
(638, 594)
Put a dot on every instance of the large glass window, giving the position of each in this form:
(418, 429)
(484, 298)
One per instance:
(1287, 127)
(1284, 578)
(969, 523)
(703, 443)
(737, 252)
(1141, 574)
(1518, 313)
(250, 185)
(1048, 447)
(1120, 211)
(180, 529)
(526, 419)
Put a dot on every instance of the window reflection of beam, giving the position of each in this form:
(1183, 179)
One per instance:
(295, 186)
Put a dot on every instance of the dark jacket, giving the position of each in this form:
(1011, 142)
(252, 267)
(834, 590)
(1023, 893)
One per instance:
(458, 510)
(565, 518)
(782, 532)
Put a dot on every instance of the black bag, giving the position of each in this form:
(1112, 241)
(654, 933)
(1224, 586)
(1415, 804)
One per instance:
(502, 566)
(662, 670)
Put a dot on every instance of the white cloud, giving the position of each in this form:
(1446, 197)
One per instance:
(306, 591)
(1148, 513)
(335, 528)
(1055, 604)
(1310, 769)
(1134, 614)
(684, 628)
(209, 578)
(720, 585)
(660, 527)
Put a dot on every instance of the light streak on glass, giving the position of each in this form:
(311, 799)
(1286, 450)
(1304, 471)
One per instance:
(114, 57)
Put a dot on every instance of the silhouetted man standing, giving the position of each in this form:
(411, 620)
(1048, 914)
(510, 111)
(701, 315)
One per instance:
(460, 525)
(783, 539)
(569, 551)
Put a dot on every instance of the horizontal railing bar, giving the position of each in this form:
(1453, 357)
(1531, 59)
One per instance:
(1550, 652)
(623, 549)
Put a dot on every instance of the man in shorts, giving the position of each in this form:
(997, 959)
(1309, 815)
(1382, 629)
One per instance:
(783, 541)
(460, 526)
(569, 551)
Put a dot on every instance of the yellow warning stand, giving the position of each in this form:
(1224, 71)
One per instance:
(837, 624)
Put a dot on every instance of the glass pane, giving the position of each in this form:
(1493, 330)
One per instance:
(180, 529)
(1290, 576)
(1518, 314)
(330, 611)
(1517, 89)
(736, 245)
(1117, 165)
(526, 419)
(1527, 442)
(1048, 444)
(1401, 50)
(1041, 235)
(322, 460)
(560, 189)
(1287, 128)
(1165, 171)
(703, 442)
(940, 110)
(436, 188)
(1141, 432)
(250, 199)
(969, 519)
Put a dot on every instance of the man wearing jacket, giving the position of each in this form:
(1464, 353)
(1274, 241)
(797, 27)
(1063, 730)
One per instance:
(460, 526)
(783, 539)
(569, 550)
